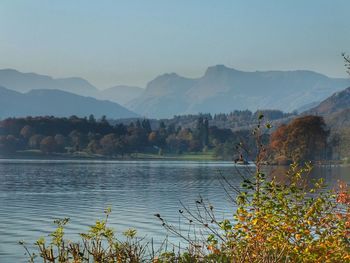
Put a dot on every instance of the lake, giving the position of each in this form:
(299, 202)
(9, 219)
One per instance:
(35, 192)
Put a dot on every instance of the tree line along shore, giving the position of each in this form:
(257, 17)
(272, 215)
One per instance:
(299, 139)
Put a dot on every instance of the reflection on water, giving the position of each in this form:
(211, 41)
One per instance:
(33, 193)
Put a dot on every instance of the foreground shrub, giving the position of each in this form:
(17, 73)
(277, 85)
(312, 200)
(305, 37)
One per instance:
(276, 222)
(99, 244)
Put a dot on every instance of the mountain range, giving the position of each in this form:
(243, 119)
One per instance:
(39, 102)
(223, 89)
(24, 82)
(219, 90)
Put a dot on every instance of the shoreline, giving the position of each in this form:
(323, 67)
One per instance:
(144, 157)
(129, 157)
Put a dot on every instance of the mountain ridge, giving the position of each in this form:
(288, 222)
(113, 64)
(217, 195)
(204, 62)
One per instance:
(41, 102)
(24, 82)
(224, 89)
(121, 94)
(338, 101)
(219, 89)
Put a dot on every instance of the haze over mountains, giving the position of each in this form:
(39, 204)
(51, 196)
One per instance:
(335, 109)
(121, 94)
(337, 102)
(223, 89)
(24, 82)
(58, 103)
(220, 89)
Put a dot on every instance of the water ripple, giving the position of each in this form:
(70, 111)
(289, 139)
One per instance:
(35, 192)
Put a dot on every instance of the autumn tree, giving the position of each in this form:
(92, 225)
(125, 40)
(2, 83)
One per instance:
(153, 138)
(27, 131)
(277, 143)
(112, 145)
(94, 146)
(34, 141)
(108, 144)
(48, 145)
(305, 138)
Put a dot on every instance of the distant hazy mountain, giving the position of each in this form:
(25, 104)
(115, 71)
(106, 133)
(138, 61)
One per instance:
(221, 89)
(337, 102)
(224, 89)
(121, 94)
(23, 82)
(164, 97)
(307, 107)
(335, 109)
(57, 103)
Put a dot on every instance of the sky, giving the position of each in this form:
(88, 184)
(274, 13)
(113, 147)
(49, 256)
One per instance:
(112, 42)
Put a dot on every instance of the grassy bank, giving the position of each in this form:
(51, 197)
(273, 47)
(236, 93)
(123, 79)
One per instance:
(207, 156)
(37, 154)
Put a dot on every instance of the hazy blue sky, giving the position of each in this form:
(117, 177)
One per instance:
(131, 42)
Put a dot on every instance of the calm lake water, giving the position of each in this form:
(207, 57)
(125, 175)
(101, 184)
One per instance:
(34, 193)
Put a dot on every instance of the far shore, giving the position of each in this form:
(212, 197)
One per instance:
(201, 156)
(37, 155)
